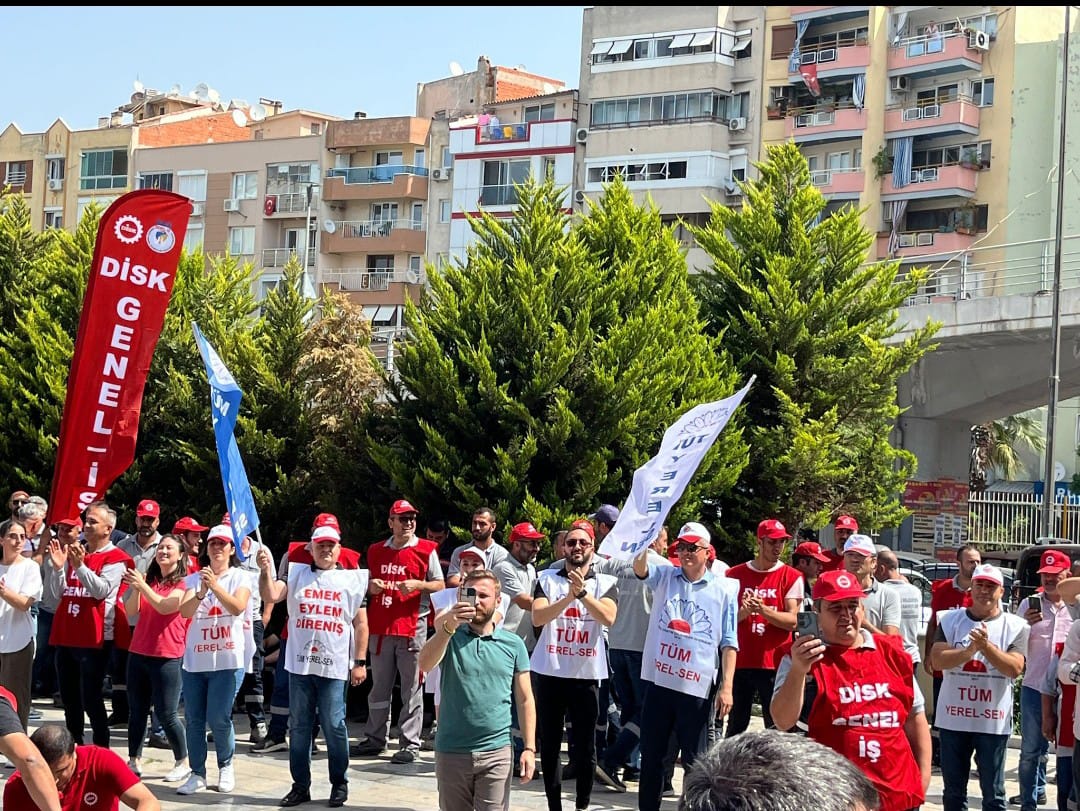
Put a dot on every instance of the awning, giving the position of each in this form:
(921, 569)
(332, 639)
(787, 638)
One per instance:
(601, 47)
(386, 315)
(703, 38)
(370, 310)
(742, 41)
(681, 40)
(620, 47)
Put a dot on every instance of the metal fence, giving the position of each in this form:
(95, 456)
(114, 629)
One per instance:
(1013, 520)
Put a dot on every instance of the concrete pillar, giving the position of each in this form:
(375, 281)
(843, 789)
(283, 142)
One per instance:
(942, 446)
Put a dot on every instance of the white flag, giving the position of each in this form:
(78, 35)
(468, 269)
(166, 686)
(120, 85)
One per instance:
(660, 482)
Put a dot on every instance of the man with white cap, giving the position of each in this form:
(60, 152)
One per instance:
(882, 606)
(328, 638)
(688, 662)
(980, 650)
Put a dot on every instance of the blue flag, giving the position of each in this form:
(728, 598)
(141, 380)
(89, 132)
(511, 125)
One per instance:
(225, 397)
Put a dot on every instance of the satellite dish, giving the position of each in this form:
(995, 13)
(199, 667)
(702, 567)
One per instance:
(257, 112)
(329, 226)
(137, 86)
(239, 118)
(175, 91)
(213, 95)
(412, 276)
(456, 69)
(193, 96)
(1059, 471)
(201, 91)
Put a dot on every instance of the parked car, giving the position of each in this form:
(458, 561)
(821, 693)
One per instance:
(924, 585)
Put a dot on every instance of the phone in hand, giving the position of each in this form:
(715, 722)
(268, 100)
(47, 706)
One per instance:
(1035, 603)
(469, 595)
(806, 624)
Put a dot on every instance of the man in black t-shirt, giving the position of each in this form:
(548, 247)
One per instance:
(20, 750)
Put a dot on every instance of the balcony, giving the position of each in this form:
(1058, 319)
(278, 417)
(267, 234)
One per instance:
(376, 183)
(498, 195)
(839, 184)
(835, 61)
(817, 124)
(354, 280)
(935, 54)
(279, 257)
(955, 180)
(827, 13)
(376, 236)
(488, 133)
(925, 244)
(290, 200)
(932, 118)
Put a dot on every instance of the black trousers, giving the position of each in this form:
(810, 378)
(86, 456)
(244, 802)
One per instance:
(82, 678)
(668, 713)
(750, 684)
(557, 698)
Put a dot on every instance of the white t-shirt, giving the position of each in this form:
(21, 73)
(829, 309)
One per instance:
(17, 627)
(322, 604)
(217, 640)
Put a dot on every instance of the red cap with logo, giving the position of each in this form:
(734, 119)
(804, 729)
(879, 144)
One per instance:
(847, 522)
(402, 507)
(326, 520)
(188, 524)
(1054, 561)
(810, 549)
(70, 522)
(772, 529)
(525, 531)
(837, 585)
(148, 507)
(586, 526)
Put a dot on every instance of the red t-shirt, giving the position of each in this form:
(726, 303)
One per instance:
(836, 561)
(759, 640)
(946, 595)
(101, 776)
(161, 635)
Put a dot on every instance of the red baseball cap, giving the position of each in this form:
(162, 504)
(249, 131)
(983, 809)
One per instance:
(19, 494)
(586, 526)
(402, 507)
(188, 524)
(525, 531)
(148, 507)
(326, 520)
(837, 585)
(70, 522)
(772, 529)
(847, 522)
(810, 549)
(1054, 562)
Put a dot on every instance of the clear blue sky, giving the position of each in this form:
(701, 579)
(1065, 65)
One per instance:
(79, 63)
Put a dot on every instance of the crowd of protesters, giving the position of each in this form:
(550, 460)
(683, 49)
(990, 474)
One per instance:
(470, 650)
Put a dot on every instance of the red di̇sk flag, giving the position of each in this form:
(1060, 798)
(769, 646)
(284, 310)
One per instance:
(809, 75)
(131, 280)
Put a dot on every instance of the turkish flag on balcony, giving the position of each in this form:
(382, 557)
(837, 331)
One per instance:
(809, 75)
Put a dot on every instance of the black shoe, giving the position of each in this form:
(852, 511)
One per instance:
(610, 778)
(269, 745)
(630, 774)
(295, 797)
(116, 721)
(158, 741)
(338, 795)
(368, 749)
(669, 790)
(1019, 800)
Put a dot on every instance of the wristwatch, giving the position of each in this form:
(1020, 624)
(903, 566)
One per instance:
(581, 594)
(359, 662)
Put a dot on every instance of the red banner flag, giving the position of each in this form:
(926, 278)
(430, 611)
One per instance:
(131, 280)
(809, 76)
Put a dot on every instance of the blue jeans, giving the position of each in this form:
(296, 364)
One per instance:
(306, 695)
(956, 751)
(279, 698)
(208, 701)
(1033, 747)
(630, 689)
(154, 681)
(45, 681)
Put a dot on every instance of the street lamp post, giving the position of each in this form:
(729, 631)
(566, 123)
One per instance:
(1055, 317)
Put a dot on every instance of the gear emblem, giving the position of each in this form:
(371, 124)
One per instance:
(128, 229)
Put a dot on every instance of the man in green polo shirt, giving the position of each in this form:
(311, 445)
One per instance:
(483, 668)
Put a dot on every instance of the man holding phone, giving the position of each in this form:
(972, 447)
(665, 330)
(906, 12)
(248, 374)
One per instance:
(1049, 621)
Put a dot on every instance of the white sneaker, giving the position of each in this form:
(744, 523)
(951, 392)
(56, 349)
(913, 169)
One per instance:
(179, 772)
(193, 784)
(226, 779)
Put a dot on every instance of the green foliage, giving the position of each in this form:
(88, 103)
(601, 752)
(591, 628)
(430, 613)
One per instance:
(543, 371)
(798, 306)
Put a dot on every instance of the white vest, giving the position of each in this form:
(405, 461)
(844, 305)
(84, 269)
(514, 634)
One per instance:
(217, 640)
(572, 645)
(322, 604)
(683, 641)
(976, 697)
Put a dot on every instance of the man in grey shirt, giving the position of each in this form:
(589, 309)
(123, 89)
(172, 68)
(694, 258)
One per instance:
(483, 538)
(143, 542)
(882, 606)
(887, 573)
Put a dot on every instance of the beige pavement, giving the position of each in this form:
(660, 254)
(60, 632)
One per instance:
(262, 780)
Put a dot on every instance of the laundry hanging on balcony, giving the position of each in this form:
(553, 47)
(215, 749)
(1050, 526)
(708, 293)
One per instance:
(901, 151)
(900, 29)
(795, 60)
(858, 91)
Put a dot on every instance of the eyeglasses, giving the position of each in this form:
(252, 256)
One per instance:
(406, 519)
(684, 548)
(576, 542)
(19, 503)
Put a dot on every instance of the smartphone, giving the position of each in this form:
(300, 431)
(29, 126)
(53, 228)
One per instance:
(1035, 603)
(470, 595)
(807, 624)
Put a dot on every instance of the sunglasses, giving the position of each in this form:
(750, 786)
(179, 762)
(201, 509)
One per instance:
(575, 542)
(687, 548)
(406, 519)
(18, 503)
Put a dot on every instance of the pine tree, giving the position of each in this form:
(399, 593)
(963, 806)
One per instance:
(544, 370)
(797, 304)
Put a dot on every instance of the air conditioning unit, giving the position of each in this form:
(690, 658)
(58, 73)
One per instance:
(56, 183)
(197, 209)
(441, 174)
(898, 84)
(736, 124)
(582, 135)
(579, 197)
(232, 204)
(979, 40)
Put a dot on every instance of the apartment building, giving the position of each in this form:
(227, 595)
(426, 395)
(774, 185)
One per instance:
(670, 99)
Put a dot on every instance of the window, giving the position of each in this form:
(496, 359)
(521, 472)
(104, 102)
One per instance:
(316, 128)
(156, 180)
(499, 179)
(193, 185)
(547, 168)
(103, 169)
(54, 218)
(447, 158)
(193, 239)
(242, 241)
(377, 262)
(395, 158)
(245, 185)
(384, 212)
(16, 173)
(661, 170)
(417, 216)
(84, 202)
(415, 262)
(54, 168)
(420, 158)
(982, 92)
(783, 41)
(444, 210)
(540, 112)
(740, 49)
(739, 174)
(664, 109)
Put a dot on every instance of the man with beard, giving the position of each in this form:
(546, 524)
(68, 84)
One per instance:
(483, 538)
(190, 531)
(844, 528)
(483, 668)
(572, 605)
(46, 683)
